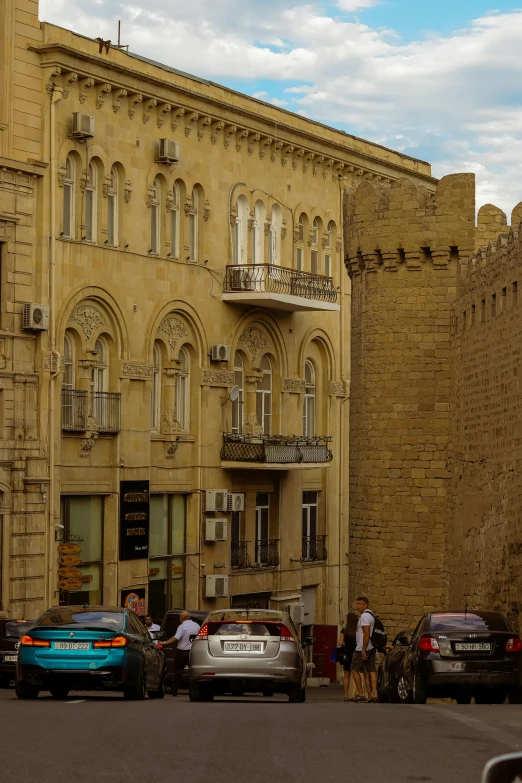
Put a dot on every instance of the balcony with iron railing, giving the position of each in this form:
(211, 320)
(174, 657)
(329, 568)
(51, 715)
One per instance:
(239, 557)
(98, 412)
(314, 548)
(267, 552)
(280, 288)
(274, 452)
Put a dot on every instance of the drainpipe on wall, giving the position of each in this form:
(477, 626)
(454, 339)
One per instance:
(341, 413)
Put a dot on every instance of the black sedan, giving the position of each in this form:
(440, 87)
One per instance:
(456, 655)
(11, 631)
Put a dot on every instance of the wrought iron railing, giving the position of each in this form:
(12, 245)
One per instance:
(261, 278)
(314, 548)
(74, 410)
(267, 552)
(239, 557)
(106, 409)
(285, 449)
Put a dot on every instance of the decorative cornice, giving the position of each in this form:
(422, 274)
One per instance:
(265, 145)
(202, 124)
(148, 107)
(85, 86)
(163, 110)
(252, 141)
(216, 128)
(230, 131)
(134, 99)
(175, 117)
(241, 136)
(104, 89)
(137, 371)
(294, 385)
(118, 94)
(297, 157)
(275, 149)
(217, 378)
(69, 79)
(190, 120)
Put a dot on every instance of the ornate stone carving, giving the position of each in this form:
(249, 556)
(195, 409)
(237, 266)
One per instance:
(127, 191)
(252, 141)
(83, 180)
(308, 159)
(173, 330)
(338, 389)
(170, 425)
(88, 318)
(204, 123)
(254, 340)
(151, 195)
(103, 90)
(187, 206)
(267, 227)
(216, 128)
(217, 378)
(175, 117)
(287, 153)
(67, 81)
(164, 109)
(275, 149)
(317, 164)
(150, 104)
(85, 86)
(294, 385)
(336, 173)
(62, 173)
(310, 237)
(328, 166)
(190, 120)
(252, 381)
(230, 131)
(283, 229)
(86, 445)
(233, 216)
(339, 245)
(116, 100)
(171, 449)
(92, 423)
(264, 146)
(88, 364)
(297, 157)
(138, 371)
(50, 363)
(206, 210)
(324, 240)
(106, 186)
(240, 139)
(250, 425)
(133, 103)
(51, 81)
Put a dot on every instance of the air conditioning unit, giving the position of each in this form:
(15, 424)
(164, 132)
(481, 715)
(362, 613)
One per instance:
(239, 281)
(296, 612)
(168, 151)
(220, 353)
(216, 500)
(216, 586)
(216, 529)
(82, 126)
(235, 501)
(35, 317)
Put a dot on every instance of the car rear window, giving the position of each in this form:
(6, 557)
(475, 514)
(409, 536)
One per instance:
(17, 630)
(468, 621)
(244, 629)
(112, 621)
(236, 615)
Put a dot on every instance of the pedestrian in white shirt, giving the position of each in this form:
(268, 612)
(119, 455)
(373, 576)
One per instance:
(363, 661)
(187, 631)
(151, 627)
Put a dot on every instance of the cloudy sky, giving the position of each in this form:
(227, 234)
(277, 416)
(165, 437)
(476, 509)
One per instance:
(438, 80)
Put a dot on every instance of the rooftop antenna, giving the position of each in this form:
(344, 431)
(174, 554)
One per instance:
(124, 47)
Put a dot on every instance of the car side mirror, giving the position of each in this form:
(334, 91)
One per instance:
(159, 636)
(402, 641)
(503, 769)
(308, 641)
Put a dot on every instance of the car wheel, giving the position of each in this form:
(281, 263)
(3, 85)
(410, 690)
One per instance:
(383, 694)
(24, 691)
(59, 693)
(490, 696)
(463, 698)
(515, 696)
(295, 695)
(160, 693)
(393, 696)
(137, 691)
(5, 681)
(419, 691)
(402, 690)
(194, 692)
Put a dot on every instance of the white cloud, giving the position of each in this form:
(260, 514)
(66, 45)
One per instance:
(451, 99)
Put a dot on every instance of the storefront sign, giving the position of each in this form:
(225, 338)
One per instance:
(69, 560)
(70, 584)
(69, 549)
(134, 520)
(69, 573)
(135, 600)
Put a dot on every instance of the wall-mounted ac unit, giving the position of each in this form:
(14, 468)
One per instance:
(82, 126)
(216, 529)
(236, 501)
(35, 317)
(239, 281)
(296, 612)
(216, 500)
(216, 586)
(168, 151)
(220, 353)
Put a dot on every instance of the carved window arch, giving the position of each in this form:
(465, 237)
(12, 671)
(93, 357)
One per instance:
(274, 244)
(264, 397)
(193, 220)
(155, 408)
(241, 231)
(237, 405)
(183, 390)
(91, 203)
(155, 208)
(175, 222)
(309, 408)
(113, 208)
(258, 237)
(69, 197)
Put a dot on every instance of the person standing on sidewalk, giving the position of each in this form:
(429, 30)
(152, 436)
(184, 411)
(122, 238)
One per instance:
(347, 640)
(363, 660)
(183, 638)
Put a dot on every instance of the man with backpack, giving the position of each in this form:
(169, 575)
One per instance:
(369, 635)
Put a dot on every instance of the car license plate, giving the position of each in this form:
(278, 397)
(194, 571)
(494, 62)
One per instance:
(246, 647)
(72, 646)
(472, 646)
(10, 658)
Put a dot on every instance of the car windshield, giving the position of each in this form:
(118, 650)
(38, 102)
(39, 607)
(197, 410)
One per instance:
(243, 629)
(468, 621)
(71, 616)
(17, 629)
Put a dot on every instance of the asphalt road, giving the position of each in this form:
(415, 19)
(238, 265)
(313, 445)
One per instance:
(91, 738)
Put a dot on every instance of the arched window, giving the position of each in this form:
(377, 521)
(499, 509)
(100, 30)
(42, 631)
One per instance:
(70, 404)
(155, 410)
(241, 231)
(328, 251)
(309, 401)
(264, 397)
(68, 198)
(174, 222)
(91, 203)
(237, 405)
(193, 226)
(258, 238)
(314, 253)
(299, 250)
(274, 244)
(183, 390)
(68, 355)
(155, 205)
(99, 383)
(112, 209)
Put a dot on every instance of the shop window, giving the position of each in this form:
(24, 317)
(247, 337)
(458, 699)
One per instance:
(82, 520)
(166, 553)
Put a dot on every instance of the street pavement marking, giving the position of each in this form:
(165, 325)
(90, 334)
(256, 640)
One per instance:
(77, 701)
(505, 737)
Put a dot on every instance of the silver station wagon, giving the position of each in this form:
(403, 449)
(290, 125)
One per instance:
(240, 651)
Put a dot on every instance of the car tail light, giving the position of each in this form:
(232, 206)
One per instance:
(428, 644)
(28, 641)
(116, 641)
(203, 632)
(514, 645)
(286, 635)
(159, 646)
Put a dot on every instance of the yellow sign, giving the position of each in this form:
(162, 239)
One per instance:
(69, 560)
(69, 549)
(70, 573)
(70, 584)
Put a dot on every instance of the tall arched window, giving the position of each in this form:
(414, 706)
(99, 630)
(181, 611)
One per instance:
(68, 355)
(264, 397)
(237, 405)
(241, 231)
(299, 250)
(258, 237)
(314, 253)
(274, 244)
(174, 222)
(68, 198)
(309, 401)
(193, 226)
(155, 205)
(328, 251)
(69, 402)
(99, 384)
(112, 209)
(183, 390)
(91, 202)
(155, 409)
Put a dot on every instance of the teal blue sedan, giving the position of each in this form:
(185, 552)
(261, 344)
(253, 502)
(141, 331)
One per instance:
(81, 648)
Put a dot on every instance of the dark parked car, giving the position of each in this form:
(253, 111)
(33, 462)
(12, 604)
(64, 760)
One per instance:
(169, 626)
(454, 655)
(11, 632)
